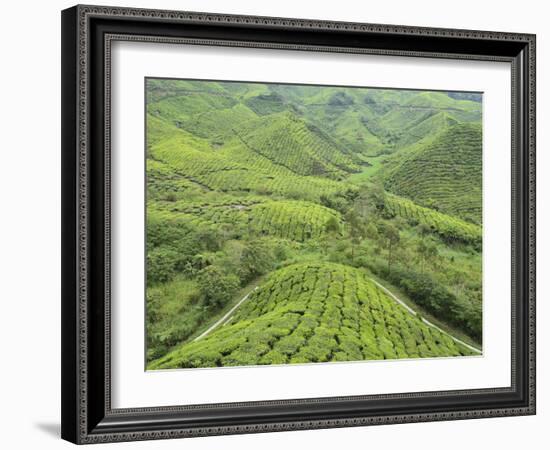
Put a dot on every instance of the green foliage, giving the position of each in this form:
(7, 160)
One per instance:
(265, 104)
(173, 313)
(332, 225)
(161, 264)
(257, 258)
(216, 287)
(437, 299)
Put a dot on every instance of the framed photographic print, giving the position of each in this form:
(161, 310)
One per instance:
(282, 224)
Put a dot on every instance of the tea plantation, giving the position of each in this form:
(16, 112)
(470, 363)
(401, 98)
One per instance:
(272, 208)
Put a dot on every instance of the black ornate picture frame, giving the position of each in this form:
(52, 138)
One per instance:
(87, 35)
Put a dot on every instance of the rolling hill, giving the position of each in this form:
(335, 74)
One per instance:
(236, 167)
(287, 141)
(450, 228)
(365, 120)
(314, 313)
(444, 174)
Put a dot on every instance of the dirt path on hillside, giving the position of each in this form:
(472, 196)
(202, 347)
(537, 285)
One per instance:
(225, 316)
(427, 322)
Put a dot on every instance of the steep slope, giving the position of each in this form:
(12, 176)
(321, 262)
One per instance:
(198, 160)
(316, 312)
(217, 124)
(288, 141)
(445, 174)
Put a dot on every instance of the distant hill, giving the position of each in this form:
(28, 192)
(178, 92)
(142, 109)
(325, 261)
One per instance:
(364, 121)
(314, 312)
(465, 96)
(246, 162)
(443, 174)
(288, 141)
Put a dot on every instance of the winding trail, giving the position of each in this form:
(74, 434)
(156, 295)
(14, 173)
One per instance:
(426, 322)
(225, 316)
(229, 314)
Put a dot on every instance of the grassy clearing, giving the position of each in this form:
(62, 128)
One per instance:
(375, 163)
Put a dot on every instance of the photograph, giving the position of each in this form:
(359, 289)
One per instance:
(301, 224)
(290, 220)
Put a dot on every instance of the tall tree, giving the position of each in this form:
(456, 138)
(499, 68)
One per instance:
(390, 239)
(356, 228)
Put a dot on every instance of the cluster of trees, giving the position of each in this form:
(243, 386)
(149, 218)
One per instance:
(208, 255)
(437, 299)
(410, 257)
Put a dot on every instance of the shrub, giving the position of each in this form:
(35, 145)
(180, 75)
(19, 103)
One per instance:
(216, 287)
(289, 345)
(257, 258)
(273, 357)
(161, 264)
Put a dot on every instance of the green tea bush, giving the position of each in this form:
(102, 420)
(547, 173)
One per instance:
(444, 173)
(451, 229)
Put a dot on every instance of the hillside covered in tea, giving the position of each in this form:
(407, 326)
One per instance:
(315, 313)
(301, 224)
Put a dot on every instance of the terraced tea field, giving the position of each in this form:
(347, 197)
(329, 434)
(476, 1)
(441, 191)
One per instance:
(288, 142)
